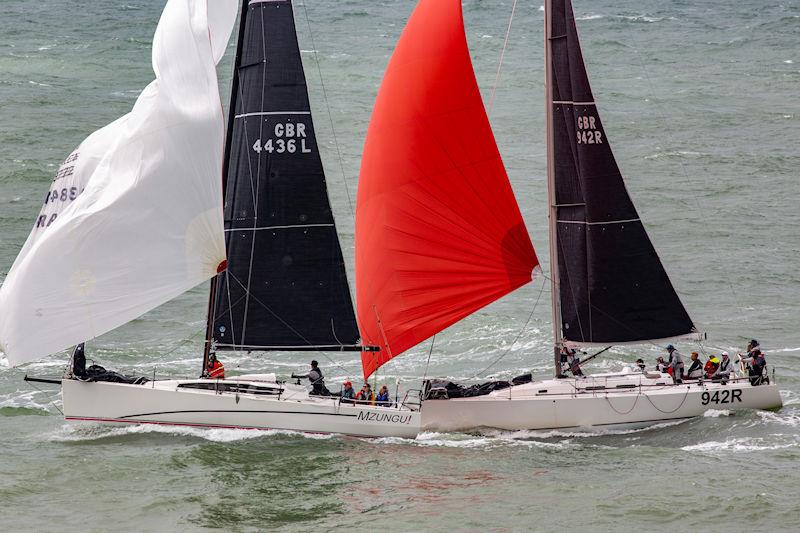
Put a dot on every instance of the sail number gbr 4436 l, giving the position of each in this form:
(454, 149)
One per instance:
(288, 137)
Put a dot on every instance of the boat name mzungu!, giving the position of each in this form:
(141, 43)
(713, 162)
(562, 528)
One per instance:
(384, 417)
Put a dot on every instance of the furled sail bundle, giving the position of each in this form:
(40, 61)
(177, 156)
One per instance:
(613, 288)
(285, 287)
(134, 216)
(439, 234)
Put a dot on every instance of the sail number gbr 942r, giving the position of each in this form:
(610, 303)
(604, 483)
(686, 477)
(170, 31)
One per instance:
(587, 132)
(287, 138)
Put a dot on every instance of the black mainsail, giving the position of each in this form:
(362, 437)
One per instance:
(285, 287)
(612, 287)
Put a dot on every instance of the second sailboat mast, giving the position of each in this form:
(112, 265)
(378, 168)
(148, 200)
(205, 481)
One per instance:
(551, 186)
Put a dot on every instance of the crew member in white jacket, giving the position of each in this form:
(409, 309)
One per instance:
(724, 370)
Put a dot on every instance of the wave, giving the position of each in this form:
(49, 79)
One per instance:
(94, 432)
(631, 18)
(27, 402)
(716, 413)
(782, 418)
(739, 444)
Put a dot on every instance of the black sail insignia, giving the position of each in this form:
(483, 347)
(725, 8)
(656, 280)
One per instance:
(613, 287)
(285, 286)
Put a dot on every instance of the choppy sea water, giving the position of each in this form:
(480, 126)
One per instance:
(699, 100)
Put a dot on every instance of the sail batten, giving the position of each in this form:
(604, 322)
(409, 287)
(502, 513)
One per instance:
(285, 287)
(612, 286)
(439, 234)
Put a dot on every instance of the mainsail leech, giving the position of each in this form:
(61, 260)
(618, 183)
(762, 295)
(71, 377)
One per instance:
(439, 233)
(135, 218)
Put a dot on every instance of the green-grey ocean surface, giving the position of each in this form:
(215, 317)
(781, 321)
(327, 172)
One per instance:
(700, 101)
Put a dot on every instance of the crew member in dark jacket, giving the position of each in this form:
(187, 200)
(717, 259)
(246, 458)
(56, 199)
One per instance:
(317, 380)
(696, 368)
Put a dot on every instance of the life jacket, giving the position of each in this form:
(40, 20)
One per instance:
(711, 366)
(216, 370)
(365, 398)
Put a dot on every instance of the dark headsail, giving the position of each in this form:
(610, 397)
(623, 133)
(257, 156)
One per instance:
(613, 288)
(285, 286)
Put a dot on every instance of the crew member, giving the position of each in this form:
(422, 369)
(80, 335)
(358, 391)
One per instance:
(661, 366)
(723, 372)
(365, 395)
(756, 365)
(711, 366)
(79, 361)
(215, 369)
(675, 363)
(752, 346)
(573, 363)
(696, 368)
(640, 364)
(317, 380)
(348, 394)
(383, 397)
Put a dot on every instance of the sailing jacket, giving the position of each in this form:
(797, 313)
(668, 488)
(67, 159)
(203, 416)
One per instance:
(676, 362)
(695, 370)
(724, 369)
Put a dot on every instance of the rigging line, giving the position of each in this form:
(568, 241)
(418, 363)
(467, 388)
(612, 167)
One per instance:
(184, 341)
(682, 165)
(430, 351)
(519, 334)
(635, 401)
(572, 289)
(668, 412)
(328, 109)
(273, 313)
(502, 55)
(256, 196)
(49, 397)
(624, 325)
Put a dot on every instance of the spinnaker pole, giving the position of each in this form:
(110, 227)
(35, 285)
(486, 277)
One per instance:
(551, 186)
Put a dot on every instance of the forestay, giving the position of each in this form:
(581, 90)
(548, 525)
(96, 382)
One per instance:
(613, 288)
(438, 230)
(133, 217)
(285, 286)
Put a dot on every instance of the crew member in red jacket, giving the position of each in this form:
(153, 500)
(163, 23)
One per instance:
(215, 369)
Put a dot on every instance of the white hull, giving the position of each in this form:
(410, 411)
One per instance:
(614, 400)
(177, 402)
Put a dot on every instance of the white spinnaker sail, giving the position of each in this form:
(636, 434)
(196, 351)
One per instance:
(134, 216)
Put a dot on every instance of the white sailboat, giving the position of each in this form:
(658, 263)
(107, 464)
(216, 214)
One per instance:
(439, 235)
(135, 218)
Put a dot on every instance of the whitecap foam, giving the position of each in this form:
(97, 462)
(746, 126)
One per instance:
(29, 399)
(454, 440)
(716, 413)
(92, 432)
(783, 418)
(739, 444)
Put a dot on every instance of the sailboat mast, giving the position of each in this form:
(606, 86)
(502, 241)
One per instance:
(214, 287)
(551, 186)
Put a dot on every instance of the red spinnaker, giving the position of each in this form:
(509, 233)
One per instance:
(439, 233)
